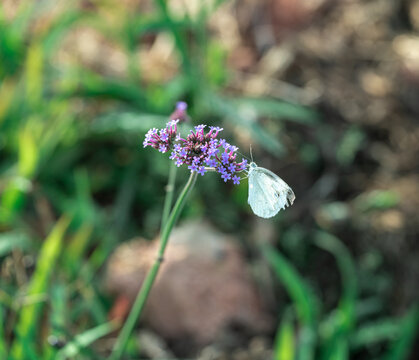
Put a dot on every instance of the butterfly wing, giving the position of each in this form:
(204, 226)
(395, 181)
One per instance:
(268, 193)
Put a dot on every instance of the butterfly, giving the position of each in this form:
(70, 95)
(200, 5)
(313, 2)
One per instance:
(268, 193)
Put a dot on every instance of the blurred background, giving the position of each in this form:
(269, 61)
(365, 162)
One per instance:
(325, 91)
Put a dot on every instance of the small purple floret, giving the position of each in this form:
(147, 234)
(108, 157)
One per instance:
(225, 158)
(226, 176)
(202, 170)
(236, 180)
(193, 167)
(232, 167)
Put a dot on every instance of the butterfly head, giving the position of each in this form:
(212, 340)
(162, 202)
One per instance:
(252, 165)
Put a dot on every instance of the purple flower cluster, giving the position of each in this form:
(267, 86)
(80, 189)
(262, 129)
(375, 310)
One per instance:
(200, 151)
(163, 139)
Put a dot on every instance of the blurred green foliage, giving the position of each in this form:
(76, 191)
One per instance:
(74, 182)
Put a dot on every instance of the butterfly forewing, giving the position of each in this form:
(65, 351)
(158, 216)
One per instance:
(268, 193)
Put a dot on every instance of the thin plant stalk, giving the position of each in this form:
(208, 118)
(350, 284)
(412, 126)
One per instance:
(168, 200)
(144, 292)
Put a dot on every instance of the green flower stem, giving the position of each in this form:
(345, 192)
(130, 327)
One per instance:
(142, 295)
(168, 200)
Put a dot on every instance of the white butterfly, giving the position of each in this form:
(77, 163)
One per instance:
(268, 193)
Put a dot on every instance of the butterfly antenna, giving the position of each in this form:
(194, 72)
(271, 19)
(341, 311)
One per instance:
(251, 155)
(243, 155)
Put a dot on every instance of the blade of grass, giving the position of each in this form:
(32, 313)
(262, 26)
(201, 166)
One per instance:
(408, 332)
(85, 339)
(13, 198)
(14, 195)
(375, 332)
(226, 108)
(7, 92)
(149, 24)
(76, 248)
(280, 110)
(30, 353)
(351, 143)
(59, 28)
(284, 345)
(294, 284)
(126, 122)
(91, 294)
(58, 318)
(28, 152)
(348, 273)
(302, 297)
(339, 325)
(180, 38)
(12, 42)
(340, 350)
(34, 74)
(13, 240)
(3, 344)
(29, 315)
(368, 307)
(91, 85)
(125, 198)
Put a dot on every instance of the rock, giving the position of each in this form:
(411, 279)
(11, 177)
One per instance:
(203, 285)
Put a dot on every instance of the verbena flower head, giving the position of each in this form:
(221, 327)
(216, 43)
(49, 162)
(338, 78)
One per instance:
(201, 150)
